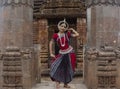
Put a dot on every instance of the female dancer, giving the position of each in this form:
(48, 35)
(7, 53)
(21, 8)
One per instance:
(63, 64)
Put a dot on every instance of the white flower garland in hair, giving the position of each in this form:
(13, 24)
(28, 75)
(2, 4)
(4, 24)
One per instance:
(63, 21)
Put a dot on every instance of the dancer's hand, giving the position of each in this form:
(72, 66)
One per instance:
(52, 55)
(70, 29)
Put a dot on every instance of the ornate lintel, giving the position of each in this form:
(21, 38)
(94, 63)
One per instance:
(60, 8)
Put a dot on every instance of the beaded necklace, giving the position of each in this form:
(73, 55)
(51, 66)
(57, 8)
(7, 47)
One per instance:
(62, 44)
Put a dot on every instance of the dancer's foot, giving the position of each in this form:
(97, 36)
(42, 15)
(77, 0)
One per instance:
(57, 85)
(66, 86)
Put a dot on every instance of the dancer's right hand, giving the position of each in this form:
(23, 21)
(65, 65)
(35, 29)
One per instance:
(52, 55)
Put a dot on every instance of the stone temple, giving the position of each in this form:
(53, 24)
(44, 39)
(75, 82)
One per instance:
(26, 27)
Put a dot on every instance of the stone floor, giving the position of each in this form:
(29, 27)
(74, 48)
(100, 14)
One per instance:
(46, 83)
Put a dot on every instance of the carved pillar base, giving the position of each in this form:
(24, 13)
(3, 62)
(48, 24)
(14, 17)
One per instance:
(12, 69)
(90, 69)
(102, 68)
(16, 19)
(17, 67)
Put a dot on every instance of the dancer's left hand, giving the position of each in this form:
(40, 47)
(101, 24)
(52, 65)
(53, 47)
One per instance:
(70, 29)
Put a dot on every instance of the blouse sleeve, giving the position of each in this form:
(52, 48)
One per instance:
(69, 34)
(54, 37)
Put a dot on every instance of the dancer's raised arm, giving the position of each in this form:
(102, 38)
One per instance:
(74, 33)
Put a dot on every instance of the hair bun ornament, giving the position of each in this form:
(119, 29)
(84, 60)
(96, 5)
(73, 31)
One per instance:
(63, 21)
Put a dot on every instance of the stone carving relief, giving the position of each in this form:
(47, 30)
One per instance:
(105, 66)
(12, 66)
(26, 54)
(1, 55)
(91, 54)
(16, 3)
(42, 39)
(118, 52)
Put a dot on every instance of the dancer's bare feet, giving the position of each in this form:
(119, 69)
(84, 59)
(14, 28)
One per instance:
(66, 86)
(57, 85)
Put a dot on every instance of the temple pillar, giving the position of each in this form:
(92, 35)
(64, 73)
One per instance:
(43, 41)
(16, 20)
(37, 50)
(81, 41)
(102, 42)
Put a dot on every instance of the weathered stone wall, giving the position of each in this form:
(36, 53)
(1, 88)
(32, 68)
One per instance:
(43, 36)
(102, 68)
(16, 20)
(103, 26)
(81, 41)
(103, 39)
(90, 68)
(16, 23)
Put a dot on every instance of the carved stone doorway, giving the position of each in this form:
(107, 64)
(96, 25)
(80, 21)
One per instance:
(47, 27)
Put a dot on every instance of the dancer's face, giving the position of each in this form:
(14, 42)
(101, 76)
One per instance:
(62, 27)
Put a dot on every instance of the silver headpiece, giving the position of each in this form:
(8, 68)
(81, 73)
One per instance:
(63, 21)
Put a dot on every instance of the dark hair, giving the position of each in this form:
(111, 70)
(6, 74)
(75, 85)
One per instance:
(63, 23)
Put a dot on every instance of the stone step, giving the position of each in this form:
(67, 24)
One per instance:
(51, 85)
